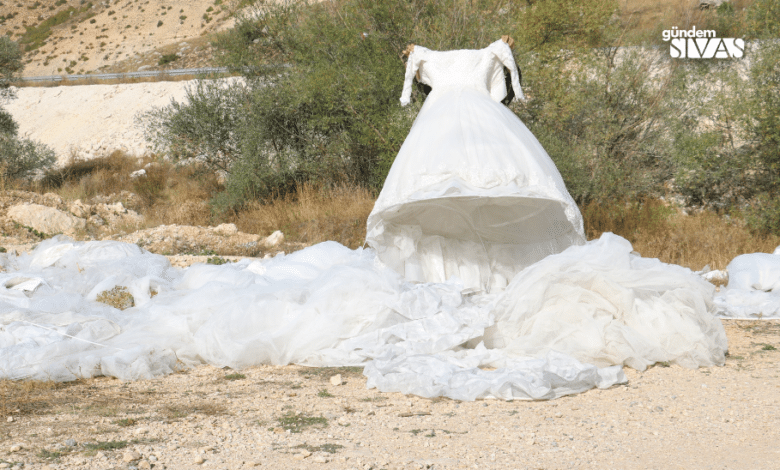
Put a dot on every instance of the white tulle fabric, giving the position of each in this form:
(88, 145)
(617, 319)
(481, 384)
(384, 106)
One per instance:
(564, 325)
(471, 194)
(753, 291)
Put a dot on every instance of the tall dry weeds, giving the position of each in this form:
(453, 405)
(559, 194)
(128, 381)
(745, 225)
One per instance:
(311, 215)
(659, 231)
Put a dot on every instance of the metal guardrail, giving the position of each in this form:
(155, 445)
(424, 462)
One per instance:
(122, 76)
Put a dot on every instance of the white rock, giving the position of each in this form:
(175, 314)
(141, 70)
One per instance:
(79, 209)
(10, 419)
(140, 431)
(320, 459)
(274, 239)
(226, 229)
(15, 448)
(336, 380)
(44, 219)
(138, 173)
(198, 460)
(130, 456)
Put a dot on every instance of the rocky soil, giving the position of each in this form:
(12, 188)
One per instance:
(26, 218)
(117, 36)
(295, 417)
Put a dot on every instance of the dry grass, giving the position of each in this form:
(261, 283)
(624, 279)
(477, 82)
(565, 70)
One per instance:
(167, 194)
(312, 215)
(658, 231)
(645, 19)
(180, 195)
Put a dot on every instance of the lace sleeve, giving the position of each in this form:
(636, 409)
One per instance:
(504, 54)
(412, 65)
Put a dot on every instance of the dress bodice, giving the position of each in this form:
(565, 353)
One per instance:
(477, 70)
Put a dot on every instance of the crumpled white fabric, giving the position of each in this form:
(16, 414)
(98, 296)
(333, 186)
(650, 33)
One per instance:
(753, 290)
(329, 305)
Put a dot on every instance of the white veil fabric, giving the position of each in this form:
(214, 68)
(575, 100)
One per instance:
(472, 194)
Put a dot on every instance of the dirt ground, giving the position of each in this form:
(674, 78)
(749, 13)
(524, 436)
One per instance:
(294, 417)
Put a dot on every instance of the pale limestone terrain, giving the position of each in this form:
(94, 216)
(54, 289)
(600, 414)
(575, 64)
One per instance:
(93, 120)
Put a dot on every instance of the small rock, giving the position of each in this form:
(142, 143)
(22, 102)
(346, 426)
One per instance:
(144, 465)
(336, 380)
(15, 448)
(140, 431)
(130, 456)
(558, 414)
(100, 456)
(198, 460)
(278, 430)
(138, 173)
(274, 239)
(320, 459)
(10, 419)
(226, 229)
(79, 209)
(70, 443)
(5, 465)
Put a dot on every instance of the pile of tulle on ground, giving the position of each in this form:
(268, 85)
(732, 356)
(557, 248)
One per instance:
(566, 324)
(753, 290)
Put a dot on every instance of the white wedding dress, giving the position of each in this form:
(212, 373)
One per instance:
(472, 194)
(472, 201)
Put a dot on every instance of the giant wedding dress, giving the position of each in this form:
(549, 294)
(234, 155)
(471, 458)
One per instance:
(472, 194)
(481, 283)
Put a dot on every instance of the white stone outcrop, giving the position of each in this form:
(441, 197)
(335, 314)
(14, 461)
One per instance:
(47, 220)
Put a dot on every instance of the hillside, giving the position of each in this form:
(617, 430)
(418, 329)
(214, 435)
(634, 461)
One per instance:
(76, 36)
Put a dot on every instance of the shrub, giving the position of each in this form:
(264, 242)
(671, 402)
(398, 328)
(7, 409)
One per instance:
(167, 59)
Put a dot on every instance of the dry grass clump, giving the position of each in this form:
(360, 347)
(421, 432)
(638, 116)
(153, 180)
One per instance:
(166, 194)
(659, 231)
(311, 215)
(26, 397)
(647, 18)
(86, 178)
(118, 297)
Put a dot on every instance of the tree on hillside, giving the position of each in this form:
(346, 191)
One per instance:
(10, 65)
(19, 157)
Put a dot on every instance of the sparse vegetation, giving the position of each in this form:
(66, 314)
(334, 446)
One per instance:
(298, 422)
(167, 59)
(235, 376)
(117, 297)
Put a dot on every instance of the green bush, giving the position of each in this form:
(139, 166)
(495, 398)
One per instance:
(19, 158)
(168, 58)
(23, 158)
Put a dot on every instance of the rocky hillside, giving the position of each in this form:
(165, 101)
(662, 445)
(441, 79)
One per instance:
(78, 36)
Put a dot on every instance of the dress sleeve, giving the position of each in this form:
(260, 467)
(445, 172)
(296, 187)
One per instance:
(504, 54)
(412, 65)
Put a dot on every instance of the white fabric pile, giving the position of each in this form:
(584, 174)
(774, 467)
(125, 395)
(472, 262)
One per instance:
(566, 324)
(753, 290)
